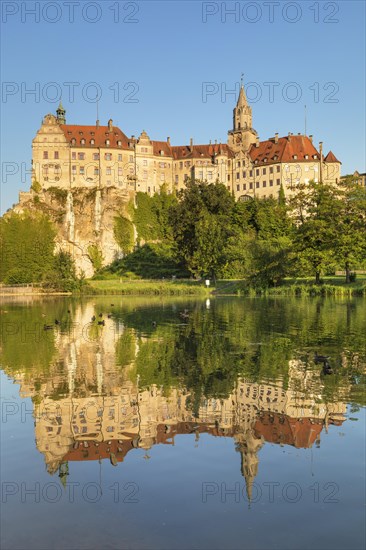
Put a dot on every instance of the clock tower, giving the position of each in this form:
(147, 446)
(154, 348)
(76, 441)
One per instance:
(242, 135)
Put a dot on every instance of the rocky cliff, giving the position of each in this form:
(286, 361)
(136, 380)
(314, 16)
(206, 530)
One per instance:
(85, 220)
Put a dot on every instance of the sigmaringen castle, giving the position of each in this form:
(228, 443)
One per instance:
(70, 156)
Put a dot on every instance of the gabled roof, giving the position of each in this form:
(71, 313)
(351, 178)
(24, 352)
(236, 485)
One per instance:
(182, 152)
(276, 428)
(331, 158)
(97, 133)
(287, 149)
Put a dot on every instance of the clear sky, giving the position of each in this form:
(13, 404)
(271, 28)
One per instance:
(150, 63)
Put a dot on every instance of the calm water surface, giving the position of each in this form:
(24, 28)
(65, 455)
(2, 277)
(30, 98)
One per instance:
(182, 424)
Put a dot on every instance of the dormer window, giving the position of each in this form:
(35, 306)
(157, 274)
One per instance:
(161, 153)
(81, 133)
(119, 143)
(315, 156)
(256, 162)
(73, 141)
(92, 141)
(306, 156)
(275, 157)
(265, 159)
(107, 142)
(294, 157)
(82, 142)
(68, 133)
(92, 133)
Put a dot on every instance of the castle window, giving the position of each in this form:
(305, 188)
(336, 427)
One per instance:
(131, 158)
(271, 183)
(145, 174)
(177, 179)
(56, 155)
(162, 177)
(96, 171)
(108, 171)
(209, 175)
(73, 169)
(119, 143)
(120, 158)
(251, 185)
(244, 186)
(81, 156)
(228, 177)
(120, 171)
(144, 163)
(257, 184)
(238, 175)
(315, 156)
(162, 153)
(306, 156)
(264, 171)
(238, 187)
(92, 141)
(82, 142)
(278, 168)
(73, 141)
(275, 157)
(257, 172)
(265, 159)
(45, 154)
(264, 184)
(244, 174)
(278, 181)
(294, 157)
(81, 170)
(250, 173)
(107, 142)
(95, 156)
(239, 163)
(181, 165)
(271, 170)
(108, 156)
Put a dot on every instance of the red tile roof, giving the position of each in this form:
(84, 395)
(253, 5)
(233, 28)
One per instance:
(97, 133)
(181, 152)
(162, 146)
(331, 158)
(284, 150)
(300, 433)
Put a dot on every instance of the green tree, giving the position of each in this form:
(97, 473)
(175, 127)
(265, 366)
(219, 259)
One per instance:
(350, 235)
(27, 245)
(316, 209)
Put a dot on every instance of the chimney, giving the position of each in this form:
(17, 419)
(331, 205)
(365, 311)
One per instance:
(168, 140)
(276, 137)
(210, 142)
(215, 141)
(97, 123)
(311, 138)
(257, 141)
(321, 149)
(191, 144)
(299, 133)
(110, 125)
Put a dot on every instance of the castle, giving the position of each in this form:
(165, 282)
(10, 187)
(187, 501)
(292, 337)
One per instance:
(73, 156)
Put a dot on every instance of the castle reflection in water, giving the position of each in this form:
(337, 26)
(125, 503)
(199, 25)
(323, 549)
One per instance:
(89, 408)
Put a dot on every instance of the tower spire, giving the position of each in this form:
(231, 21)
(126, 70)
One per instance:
(61, 114)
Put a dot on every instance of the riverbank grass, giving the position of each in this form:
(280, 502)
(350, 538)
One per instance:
(147, 287)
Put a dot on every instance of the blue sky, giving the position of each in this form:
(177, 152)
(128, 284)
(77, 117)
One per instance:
(161, 54)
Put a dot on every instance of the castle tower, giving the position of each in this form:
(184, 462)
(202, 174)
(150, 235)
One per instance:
(61, 114)
(242, 135)
(242, 113)
(248, 445)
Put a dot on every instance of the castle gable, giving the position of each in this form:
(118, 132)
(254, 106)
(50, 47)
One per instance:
(285, 149)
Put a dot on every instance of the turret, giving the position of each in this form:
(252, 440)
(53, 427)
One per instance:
(61, 114)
